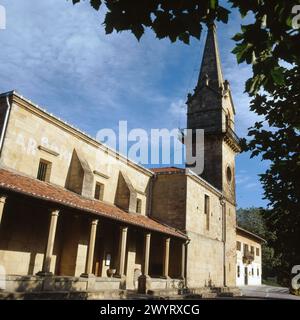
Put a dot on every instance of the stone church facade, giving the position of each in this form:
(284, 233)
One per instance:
(76, 215)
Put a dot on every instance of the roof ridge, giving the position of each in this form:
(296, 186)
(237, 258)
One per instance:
(42, 109)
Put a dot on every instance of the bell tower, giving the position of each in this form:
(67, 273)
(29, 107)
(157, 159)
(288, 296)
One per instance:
(211, 108)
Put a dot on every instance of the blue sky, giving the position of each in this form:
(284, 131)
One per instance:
(58, 56)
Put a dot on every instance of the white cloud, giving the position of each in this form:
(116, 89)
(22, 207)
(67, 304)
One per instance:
(241, 179)
(178, 111)
(251, 185)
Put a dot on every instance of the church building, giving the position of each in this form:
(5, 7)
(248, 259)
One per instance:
(78, 216)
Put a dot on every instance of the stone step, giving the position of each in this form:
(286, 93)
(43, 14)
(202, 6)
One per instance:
(164, 292)
(60, 295)
(193, 293)
(209, 295)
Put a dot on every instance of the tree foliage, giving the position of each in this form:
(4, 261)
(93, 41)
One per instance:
(275, 87)
(271, 46)
(175, 19)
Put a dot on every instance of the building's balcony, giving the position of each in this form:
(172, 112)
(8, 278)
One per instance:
(248, 257)
(232, 139)
(232, 135)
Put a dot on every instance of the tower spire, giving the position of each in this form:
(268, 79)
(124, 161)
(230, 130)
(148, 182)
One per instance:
(211, 70)
(211, 108)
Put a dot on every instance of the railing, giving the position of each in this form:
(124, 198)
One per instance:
(248, 257)
(230, 133)
(233, 135)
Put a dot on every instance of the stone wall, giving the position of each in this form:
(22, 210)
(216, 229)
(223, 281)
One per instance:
(205, 261)
(23, 238)
(29, 129)
(228, 186)
(68, 261)
(196, 219)
(169, 199)
(206, 249)
(230, 244)
(3, 109)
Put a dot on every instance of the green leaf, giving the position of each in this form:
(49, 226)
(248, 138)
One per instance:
(278, 75)
(138, 31)
(222, 14)
(185, 38)
(96, 4)
(242, 51)
(238, 37)
(213, 4)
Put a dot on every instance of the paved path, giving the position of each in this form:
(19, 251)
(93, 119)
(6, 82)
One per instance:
(264, 291)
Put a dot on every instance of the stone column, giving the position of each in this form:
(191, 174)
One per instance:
(144, 281)
(91, 250)
(147, 254)
(183, 247)
(122, 251)
(166, 258)
(50, 245)
(2, 204)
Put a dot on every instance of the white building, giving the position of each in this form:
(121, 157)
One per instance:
(249, 258)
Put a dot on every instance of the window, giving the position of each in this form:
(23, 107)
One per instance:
(229, 174)
(258, 272)
(246, 248)
(138, 205)
(252, 271)
(227, 121)
(238, 246)
(257, 251)
(44, 170)
(238, 271)
(99, 191)
(206, 210)
(252, 249)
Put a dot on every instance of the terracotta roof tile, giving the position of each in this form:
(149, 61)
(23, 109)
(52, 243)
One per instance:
(168, 170)
(42, 190)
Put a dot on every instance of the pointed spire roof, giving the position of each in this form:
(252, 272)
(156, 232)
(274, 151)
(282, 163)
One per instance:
(211, 69)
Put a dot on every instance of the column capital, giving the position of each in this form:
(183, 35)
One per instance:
(124, 228)
(2, 205)
(3, 198)
(95, 221)
(54, 212)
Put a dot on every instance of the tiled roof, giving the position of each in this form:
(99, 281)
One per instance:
(250, 234)
(18, 183)
(168, 170)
